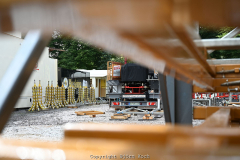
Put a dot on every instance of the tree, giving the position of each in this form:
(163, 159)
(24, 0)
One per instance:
(211, 32)
(78, 54)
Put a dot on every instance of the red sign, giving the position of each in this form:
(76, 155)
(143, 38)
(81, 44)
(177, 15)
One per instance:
(36, 67)
(116, 70)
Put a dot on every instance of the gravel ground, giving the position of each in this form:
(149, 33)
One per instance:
(47, 125)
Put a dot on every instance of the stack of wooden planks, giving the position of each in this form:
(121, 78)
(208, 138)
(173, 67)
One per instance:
(91, 113)
(148, 116)
(121, 116)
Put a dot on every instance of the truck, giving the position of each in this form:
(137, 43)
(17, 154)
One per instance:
(132, 87)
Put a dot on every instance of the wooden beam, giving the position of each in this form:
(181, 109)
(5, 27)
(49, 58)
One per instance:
(161, 135)
(158, 10)
(102, 13)
(156, 13)
(170, 62)
(113, 149)
(120, 131)
(202, 12)
(217, 119)
(81, 113)
(201, 112)
(179, 142)
(192, 50)
(120, 117)
(115, 22)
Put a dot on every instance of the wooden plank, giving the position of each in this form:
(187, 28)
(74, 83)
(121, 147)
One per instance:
(85, 111)
(119, 117)
(148, 117)
(192, 49)
(72, 107)
(201, 112)
(80, 114)
(71, 149)
(109, 14)
(160, 11)
(218, 119)
(120, 131)
(202, 12)
(150, 133)
(91, 112)
(88, 112)
(111, 18)
(170, 62)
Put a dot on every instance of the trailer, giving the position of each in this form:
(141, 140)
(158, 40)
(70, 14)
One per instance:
(131, 86)
(45, 69)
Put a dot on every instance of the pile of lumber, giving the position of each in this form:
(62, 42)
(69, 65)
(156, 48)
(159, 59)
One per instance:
(148, 116)
(91, 113)
(120, 116)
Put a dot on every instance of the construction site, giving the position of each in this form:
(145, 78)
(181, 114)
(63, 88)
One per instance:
(110, 79)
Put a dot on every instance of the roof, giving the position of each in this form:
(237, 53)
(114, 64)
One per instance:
(95, 73)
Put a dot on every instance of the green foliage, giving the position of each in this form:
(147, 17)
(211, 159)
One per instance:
(120, 59)
(225, 54)
(208, 32)
(211, 32)
(78, 54)
(223, 31)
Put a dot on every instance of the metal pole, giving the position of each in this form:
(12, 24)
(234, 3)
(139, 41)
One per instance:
(171, 85)
(164, 94)
(180, 101)
(183, 103)
(18, 73)
(230, 96)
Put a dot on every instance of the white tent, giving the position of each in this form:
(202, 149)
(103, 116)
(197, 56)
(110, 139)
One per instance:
(99, 81)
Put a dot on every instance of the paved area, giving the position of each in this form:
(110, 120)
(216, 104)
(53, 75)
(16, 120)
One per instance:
(48, 125)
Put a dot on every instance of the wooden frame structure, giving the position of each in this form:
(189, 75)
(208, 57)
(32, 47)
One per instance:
(159, 34)
(149, 39)
(110, 66)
